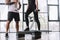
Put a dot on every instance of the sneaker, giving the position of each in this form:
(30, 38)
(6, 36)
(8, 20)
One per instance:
(6, 35)
(27, 29)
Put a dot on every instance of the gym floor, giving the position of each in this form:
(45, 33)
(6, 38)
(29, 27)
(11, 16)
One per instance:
(45, 36)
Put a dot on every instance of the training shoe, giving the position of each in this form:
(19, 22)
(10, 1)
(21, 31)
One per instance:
(6, 35)
(27, 29)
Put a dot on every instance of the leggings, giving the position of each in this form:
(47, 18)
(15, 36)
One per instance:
(29, 10)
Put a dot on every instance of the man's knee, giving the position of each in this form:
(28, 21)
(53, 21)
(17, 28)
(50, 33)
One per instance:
(8, 22)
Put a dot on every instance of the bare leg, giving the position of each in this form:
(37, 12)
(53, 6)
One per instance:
(7, 26)
(17, 26)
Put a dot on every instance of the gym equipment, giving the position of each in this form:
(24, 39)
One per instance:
(37, 34)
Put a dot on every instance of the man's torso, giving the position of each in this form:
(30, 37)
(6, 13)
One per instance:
(12, 8)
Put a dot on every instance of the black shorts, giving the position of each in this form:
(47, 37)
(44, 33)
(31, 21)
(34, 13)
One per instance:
(14, 15)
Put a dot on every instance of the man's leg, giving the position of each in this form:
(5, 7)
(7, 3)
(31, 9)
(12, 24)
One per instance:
(10, 17)
(17, 26)
(7, 28)
(17, 19)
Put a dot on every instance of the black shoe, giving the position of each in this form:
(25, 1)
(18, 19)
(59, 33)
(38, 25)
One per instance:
(27, 29)
(6, 35)
(37, 35)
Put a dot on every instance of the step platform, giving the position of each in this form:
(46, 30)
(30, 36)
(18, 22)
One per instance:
(36, 33)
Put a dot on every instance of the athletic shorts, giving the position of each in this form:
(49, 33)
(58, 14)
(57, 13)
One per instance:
(14, 15)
